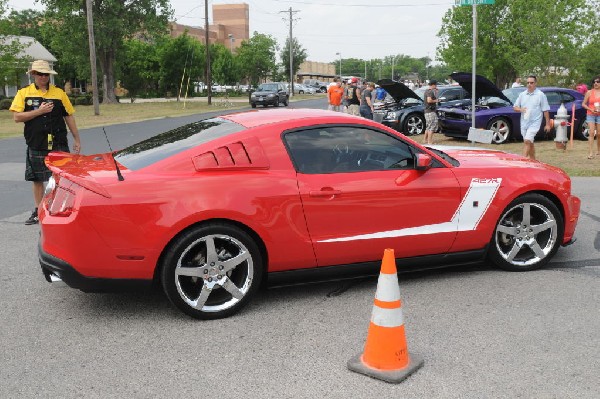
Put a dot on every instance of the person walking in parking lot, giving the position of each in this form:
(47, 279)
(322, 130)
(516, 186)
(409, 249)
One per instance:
(533, 106)
(366, 101)
(353, 97)
(46, 111)
(431, 119)
(334, 95)
(517, 82)
(591, 102)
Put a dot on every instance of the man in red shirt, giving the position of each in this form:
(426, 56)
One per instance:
(334, 95)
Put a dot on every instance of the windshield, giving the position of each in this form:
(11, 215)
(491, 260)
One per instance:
(174, 141)
(421, 93)
(267, 87)
(513, 93)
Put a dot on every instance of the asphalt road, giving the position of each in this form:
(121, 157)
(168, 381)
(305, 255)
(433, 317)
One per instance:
(483, 333)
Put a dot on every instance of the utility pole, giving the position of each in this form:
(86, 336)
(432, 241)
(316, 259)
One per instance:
(208, 77)
(92, 45)
(291, 43)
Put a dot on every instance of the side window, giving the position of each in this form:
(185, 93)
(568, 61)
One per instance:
(554, 98)
(567, 98)
(344, 149)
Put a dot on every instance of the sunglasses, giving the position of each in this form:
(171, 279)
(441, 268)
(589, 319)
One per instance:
(596, 81)
(530, 83)
(42, 74)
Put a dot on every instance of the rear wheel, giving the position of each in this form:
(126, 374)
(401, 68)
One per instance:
(414, 124)
(501, 130)
(584, 131)
(527, 235)
(212, 271)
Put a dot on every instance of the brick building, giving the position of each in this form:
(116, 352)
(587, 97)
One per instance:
(231, 26)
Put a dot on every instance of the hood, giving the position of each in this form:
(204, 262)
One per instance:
(398, 91)
(478, 157)
(483, 87)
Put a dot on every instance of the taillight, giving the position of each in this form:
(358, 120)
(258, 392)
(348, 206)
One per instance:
(61, 200)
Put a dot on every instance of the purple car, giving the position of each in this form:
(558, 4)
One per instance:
(494, 110)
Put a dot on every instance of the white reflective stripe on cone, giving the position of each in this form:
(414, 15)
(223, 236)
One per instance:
(387, 317)
(387, 288)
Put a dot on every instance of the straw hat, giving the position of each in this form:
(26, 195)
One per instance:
(41, 66)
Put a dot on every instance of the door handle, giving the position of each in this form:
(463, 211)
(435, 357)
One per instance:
(324, 193)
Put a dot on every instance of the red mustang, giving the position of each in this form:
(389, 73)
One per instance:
(212, 209)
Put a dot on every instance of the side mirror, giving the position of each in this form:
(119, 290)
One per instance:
(442, 98)
(424, 162)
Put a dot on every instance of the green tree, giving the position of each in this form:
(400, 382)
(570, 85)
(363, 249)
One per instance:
(257, 57)
(298, 57)
(114, 22)
(225, 69)
(140, 67)
(11, 63)
(181, 61)
(516, 37)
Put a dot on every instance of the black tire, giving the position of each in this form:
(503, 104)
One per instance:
(276, 102)
(583, 133)
(523, 243)
(286, 101)
(502, 130)
(212, 285)
(413, 125)
(253, 105)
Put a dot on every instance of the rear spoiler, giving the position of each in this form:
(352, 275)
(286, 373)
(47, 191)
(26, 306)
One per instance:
(56, 160)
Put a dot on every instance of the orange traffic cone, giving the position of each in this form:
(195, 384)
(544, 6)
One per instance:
(386, 354)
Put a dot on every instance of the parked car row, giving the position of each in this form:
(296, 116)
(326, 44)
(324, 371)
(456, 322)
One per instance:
(493, 108)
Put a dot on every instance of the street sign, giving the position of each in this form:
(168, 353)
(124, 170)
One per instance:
(471, 2)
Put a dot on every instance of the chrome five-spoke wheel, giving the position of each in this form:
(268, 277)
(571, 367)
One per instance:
(501, 130)
(527, 234)
(212, 271)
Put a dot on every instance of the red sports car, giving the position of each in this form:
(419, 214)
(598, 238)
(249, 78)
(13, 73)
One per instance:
(212, 209)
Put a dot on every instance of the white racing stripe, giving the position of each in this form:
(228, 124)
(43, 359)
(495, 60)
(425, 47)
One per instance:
(388, 289)
(387, 317)
(466, 217)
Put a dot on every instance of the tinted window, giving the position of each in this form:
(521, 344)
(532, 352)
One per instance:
(268, 87)
(566, 97)
(347, 149)
(553, 97)
(174, 141)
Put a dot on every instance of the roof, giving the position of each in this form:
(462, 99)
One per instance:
(32, 48)
(254, 118)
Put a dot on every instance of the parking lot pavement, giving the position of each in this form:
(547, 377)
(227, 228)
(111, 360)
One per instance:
(484, 333)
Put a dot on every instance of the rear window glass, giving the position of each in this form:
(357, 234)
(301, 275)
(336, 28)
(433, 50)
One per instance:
(174, 141)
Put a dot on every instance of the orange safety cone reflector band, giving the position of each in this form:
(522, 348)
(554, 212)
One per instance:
(386, 354)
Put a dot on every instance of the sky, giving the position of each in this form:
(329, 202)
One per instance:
(363, 29)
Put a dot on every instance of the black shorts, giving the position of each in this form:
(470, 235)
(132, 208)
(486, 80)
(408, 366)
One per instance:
(35, 168)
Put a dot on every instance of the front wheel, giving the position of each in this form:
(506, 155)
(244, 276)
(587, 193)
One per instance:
(212, 271)
(276, 102)
(501, 130)
(527, 235)
(286, 101)
(414, 124)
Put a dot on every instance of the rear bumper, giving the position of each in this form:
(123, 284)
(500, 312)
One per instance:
(55, 269)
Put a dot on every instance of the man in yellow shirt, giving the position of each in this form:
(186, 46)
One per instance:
(46, 111)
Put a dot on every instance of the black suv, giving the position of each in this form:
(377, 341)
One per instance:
(272, 93)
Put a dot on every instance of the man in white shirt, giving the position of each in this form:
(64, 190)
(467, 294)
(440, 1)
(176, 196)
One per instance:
(533, 106)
